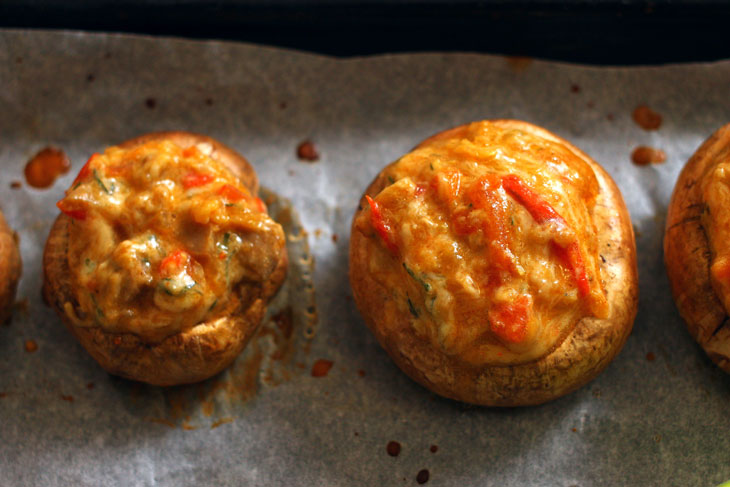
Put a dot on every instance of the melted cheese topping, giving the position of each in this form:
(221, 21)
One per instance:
(716, 222)
(162, 237)
(485, 237)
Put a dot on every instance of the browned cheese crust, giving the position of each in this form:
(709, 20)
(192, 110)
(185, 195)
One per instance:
(585, 352)
(687, 253)
(10, 268)
(186, 357)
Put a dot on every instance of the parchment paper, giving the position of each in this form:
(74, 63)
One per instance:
(64, 421)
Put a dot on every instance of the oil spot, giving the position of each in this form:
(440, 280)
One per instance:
(321, 367)
(393, 448)
(647, 118)
(42, 170)
(306, 151)
(643, 156)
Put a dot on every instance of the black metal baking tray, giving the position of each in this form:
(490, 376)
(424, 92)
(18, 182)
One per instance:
(593, 31)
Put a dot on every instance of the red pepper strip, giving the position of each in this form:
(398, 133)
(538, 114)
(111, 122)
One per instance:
(195, 179)
(231, 193)
(382, 228)
(540, 209)
(260, 205)
(76, 214)
(541, 212)
(509, 320)
(573, 259)
(190, 151)
(483, 195)
(85, 171)
(174, 260)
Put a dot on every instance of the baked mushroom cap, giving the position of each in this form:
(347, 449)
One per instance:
(584, 352)
(10, 268)
(192, 354)
(687, 253)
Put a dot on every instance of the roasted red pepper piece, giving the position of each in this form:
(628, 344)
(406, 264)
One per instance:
(539, 209)
(380, 226)
(231, 193)
(75, 213)
(573, 259)
(541, 212)
(196, 179)
(173, 261)
(508, 321)
(483, 195)
(260, 205)
(190, 151)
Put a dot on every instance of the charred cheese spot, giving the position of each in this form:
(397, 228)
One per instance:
(497, 255)
(161, 238)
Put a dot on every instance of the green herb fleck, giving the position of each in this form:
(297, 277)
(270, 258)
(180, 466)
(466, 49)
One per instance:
(213, 305)
(166, 289)
(412, 308)
(430, 164)
(99, 312)
(101, 183)
(228, 205)
(420, 280)
(224, 246)
(391, 180)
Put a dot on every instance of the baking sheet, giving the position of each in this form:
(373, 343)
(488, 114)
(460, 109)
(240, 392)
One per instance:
(657, 416)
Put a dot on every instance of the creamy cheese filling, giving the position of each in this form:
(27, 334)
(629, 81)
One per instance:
(486, 239)
(162, 237)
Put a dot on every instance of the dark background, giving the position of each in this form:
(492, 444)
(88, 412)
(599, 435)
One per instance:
(591, 31)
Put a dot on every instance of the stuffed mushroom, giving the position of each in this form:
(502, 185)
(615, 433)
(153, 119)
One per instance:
(10, 268)
(495, 263)
(163, 258)
(697, 246)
